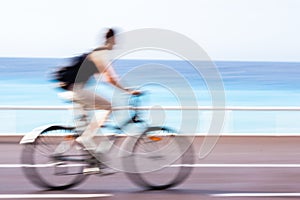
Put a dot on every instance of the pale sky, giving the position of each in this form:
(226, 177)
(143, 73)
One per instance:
(249, 30)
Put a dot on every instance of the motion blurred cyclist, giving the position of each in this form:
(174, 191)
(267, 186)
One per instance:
(96, 63)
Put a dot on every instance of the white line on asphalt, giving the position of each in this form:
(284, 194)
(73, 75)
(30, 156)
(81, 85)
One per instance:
(52, 196)
(40, 165)
(256, 195)
(238, 165)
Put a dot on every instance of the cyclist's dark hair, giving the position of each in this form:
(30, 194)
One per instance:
(110, 33)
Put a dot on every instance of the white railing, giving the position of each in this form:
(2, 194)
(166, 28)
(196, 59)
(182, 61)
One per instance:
(227, 109)
(206, 108)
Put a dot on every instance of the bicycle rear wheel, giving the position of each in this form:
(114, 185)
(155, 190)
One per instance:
(43, 159)
(158, 159)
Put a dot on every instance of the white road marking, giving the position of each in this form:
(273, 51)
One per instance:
(256, 195)
(238, 165)
(51, 196)
(40, 165)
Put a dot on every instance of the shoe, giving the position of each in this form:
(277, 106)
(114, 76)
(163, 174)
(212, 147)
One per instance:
(91, 170)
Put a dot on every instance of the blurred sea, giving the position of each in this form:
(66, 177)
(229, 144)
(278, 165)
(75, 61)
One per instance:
(26, 82)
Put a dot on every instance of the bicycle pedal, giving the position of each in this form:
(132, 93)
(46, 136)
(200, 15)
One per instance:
(91, 170)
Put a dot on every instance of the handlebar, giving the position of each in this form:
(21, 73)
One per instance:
(134, 99)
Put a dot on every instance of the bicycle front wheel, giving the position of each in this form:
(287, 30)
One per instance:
(47, 161)
(159, 159)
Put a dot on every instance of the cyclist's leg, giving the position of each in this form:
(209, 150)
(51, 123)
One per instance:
(94, 102)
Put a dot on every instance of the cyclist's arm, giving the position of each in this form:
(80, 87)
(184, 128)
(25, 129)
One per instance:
(105, 68)
(113, 79)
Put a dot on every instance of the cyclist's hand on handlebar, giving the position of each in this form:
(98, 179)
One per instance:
(135, 92)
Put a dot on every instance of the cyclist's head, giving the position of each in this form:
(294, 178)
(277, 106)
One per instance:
(110, 33)
(110, 38)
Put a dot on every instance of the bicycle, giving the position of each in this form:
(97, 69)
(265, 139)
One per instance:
(141, 157)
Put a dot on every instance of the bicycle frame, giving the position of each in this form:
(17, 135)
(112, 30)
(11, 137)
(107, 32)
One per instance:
(135, 118)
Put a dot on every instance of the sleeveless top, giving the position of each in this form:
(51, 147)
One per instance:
(86, 70)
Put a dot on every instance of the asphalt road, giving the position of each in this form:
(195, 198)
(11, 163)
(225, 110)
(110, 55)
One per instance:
(237, 168)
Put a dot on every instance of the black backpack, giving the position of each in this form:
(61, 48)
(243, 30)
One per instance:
(66, 76)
